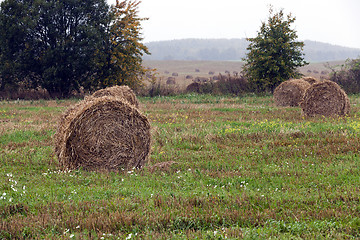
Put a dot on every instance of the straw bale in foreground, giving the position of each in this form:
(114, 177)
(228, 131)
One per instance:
(104, 133)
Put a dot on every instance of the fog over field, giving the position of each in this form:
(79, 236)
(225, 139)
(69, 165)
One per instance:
(235, 49)
(329, 21)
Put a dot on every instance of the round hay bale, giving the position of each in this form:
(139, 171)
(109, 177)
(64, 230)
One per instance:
(290, 93)
(118, 91)
(104, 133)
(171, 81)
(310, 80)
(325, 98)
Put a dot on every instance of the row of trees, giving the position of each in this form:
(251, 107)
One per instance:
(64, 45)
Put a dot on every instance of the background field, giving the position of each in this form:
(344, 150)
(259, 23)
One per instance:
(244, 168)
(165, 69)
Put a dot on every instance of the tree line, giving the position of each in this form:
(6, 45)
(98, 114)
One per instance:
(66, 45)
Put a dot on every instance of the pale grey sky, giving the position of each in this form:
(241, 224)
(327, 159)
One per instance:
(332, 21)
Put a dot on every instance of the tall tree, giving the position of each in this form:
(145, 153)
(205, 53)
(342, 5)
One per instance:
(274, 54)
(54, 41)
(122, 56)
(67, 34)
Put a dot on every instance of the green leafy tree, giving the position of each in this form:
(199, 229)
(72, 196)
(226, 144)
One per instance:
(14, 43)
(55, 42)
(64, 45)
(273, 55)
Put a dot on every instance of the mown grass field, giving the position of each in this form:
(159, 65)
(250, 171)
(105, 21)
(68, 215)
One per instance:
(244, 169)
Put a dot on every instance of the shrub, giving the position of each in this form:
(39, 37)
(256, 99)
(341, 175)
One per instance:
(227, 84)
(348, 77)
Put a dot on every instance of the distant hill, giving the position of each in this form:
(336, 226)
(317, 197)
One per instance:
(235, 49)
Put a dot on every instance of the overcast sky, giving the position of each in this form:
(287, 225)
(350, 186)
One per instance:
(331, 21)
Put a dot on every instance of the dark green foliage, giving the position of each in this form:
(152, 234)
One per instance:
(348, 77)
(54, 42)
(63, 45)
(13, 38)
(274, 55)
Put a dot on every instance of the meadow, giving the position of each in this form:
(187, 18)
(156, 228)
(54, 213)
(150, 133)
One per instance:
(242, 168)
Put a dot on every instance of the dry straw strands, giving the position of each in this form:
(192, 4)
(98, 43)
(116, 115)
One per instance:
(104, 133)
(325, 98)
(290, 93)
(118, 91)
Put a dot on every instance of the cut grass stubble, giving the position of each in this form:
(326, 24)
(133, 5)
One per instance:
(244, 169)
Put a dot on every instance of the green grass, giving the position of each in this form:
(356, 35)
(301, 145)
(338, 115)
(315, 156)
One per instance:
(244, 169)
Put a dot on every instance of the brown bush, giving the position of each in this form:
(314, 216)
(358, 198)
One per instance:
(26, 94)
(290, 93)
(348, 77)
(325, 98)
(104, 133)
(225, 84)
(193, 87)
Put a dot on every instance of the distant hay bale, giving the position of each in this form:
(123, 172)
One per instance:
(290, 93)
(310, 80)
(171, 81)
(325, 98)
(118, 91)
(324, 72)
(104, 133)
